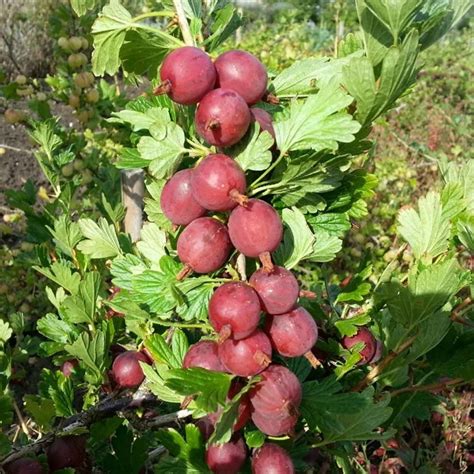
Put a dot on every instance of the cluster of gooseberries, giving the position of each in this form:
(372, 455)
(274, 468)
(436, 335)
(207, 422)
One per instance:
(224, 91)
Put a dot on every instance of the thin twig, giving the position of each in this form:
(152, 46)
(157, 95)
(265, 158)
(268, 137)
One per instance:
(103, 410)
(20, 150)
(432, 387)
(23, 425)
(183, 23)
(380, 367)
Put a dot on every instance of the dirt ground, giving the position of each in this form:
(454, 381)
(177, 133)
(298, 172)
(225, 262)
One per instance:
(18, 164)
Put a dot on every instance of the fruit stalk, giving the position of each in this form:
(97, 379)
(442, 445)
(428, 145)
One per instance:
(183, 23)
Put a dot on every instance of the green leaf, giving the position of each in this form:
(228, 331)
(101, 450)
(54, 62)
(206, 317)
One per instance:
(101, 239)
(224, 426)
(81, 308)
(358, 288)
(427, 231)
(162, 352)
(396, 15)
(5, 332)
(56, 329)
(398, 73)
(465, 230)
(152, 243)
(60, 390)
(125, 268)
(41, 409)
(298, 240)
(143, 119)
(156, 383)
(343, 416)
(179, 345)
(317, 123)
(253, 152)
(129, 158)
(303, 76)
(81, 7)
(334, 224)
(325, 247)
(185, 456)
(349, 327)
(225, 20)
(164, 151)
(66, 234)
(109, 32)
(92, 351)
(62, 274)
(209, 388)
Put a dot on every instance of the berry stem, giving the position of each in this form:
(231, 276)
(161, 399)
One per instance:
(224, 333)
(312, 359)
(163, 88)
(184, 272)
(266, 260)
(212, 124)
(239, 198)
(262, 359)
(307, 294)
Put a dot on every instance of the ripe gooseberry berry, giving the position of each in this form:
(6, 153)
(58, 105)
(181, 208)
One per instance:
(234, 309)
(177, 201)
(365, 336)
(222, 117)
(278, 289)
(218, 183)
(203, 246)
(243, 73)
(24, 466)
(256, 230)
(279, 423)
(271, 458)
(187, 75)
(293, 334)
(278, 392)
(67, 451)
(246, 357)
(126, 369)
(226, 458)
(203, 354)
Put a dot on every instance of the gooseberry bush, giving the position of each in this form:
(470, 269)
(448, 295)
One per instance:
(204, 346)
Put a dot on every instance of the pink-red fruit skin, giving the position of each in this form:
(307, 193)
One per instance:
(292, 334)
(214, 180)
(272, 459)
(191, 74)
(255, 228)
(227, 458)
(177, 201)
(246, 357)
(24, 466)
(67, 451)
(278, 391)
(365, 336)
(278, 290)
(68, 367)
(243, 73)
(280, 423)
(235, 307)
(222, 117)
(204, 245)
(264, 119)
(203, 354)
(126, 369)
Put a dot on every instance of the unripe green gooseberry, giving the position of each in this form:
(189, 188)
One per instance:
(78, 164)
(41, 96)
(359, 238)
(83, 116)
(85, 43)
(67, 170)
(24, 308)
(74, 101)
(92, 96)
(25, 92)
(75, 43)
(21, 79)
(86, 176)
(63, 43)
(390, 255)
(11, 296)
(3, 289)
(77, 60)
(27, 246)
(356, 253)
(84, 79)
(13, 116)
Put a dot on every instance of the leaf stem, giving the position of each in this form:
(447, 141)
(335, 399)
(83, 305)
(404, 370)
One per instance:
(267, 171)
(175, 324)
(183, 23)
(143, 16)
